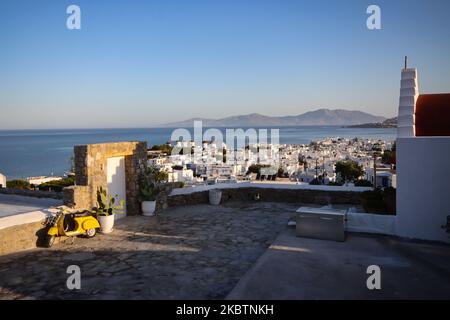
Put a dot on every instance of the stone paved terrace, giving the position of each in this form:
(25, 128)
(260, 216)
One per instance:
(196, 252)
(241, 250)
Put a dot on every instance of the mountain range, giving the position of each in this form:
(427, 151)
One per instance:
(323, 117)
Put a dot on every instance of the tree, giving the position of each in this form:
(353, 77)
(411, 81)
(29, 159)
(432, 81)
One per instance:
(280, 172)
(164, 148)
(301, 160)
(349, 170)
(389, 156)
(224, 155)
(256, 168)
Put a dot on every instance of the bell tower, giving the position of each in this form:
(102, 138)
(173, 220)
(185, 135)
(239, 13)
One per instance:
(409, 92)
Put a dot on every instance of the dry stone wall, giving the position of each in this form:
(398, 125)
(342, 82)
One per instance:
(90, 173)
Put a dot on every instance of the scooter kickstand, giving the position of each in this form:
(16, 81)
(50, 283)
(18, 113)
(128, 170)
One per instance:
(73, 240)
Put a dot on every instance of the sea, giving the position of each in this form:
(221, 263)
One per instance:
(27, 153)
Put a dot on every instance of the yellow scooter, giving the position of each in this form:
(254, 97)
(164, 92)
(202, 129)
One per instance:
(70, 225)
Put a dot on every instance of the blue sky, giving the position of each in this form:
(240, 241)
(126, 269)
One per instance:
(140, 63)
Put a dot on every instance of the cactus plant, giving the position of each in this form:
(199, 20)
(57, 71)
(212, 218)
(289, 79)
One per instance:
(106, 204)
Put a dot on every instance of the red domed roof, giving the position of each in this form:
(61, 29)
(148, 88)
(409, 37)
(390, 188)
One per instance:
(432, 116)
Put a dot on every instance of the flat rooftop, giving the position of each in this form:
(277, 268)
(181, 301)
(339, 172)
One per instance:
(300, 268)
(241, 250)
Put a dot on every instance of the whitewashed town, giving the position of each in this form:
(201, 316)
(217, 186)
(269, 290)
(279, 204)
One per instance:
(313, 163)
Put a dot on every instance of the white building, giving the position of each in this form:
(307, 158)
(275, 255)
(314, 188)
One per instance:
(43, 179)
(306, 176)
(423, 153)
(217, 170)
(2, 181)
(156, 162)
(385, 177)
(182, 175)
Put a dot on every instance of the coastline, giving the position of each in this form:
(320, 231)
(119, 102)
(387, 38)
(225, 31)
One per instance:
(29, 153)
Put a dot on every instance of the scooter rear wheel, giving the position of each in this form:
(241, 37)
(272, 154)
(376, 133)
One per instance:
(49, 241)
(90, 233)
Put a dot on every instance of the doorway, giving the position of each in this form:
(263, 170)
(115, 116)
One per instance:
(115, 175)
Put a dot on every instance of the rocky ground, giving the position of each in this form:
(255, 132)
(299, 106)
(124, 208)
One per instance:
(194, 252)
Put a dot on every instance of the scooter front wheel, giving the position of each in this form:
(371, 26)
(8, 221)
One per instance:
(90, 233)
(49, 241)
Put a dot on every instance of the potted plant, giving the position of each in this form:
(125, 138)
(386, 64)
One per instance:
(215, 196)
(106, 209)
(150, 189)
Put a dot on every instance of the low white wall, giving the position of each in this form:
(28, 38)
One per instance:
(23, 218)
(371, 223)
(423, 187)
(267, 185)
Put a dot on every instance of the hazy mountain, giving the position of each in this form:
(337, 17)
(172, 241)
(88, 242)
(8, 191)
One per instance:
(312, 118)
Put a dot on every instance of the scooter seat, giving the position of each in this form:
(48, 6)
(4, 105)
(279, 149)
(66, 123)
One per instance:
(82, 214)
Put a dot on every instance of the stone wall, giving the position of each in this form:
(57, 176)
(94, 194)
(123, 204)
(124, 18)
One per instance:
(320, 197)
(32, 193)
(162, 199)
(78, 197)
(90, 173)
(20, 237)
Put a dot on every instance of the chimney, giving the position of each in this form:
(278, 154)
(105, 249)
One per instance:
(409, 92)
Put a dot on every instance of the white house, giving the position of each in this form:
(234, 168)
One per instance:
(307, 176)
(183, 175)
(423, 153)
(2, 181)
(217, 170)
(386, 177)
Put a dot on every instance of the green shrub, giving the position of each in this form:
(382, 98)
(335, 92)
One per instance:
(335, 183)
(379, 201)
(18, 184)
(363, 183)
(315, 182)
(57, 185)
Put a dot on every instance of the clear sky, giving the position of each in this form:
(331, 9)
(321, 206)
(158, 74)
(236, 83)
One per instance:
(140, 63)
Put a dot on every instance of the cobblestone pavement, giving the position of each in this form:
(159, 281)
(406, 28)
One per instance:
(196, 252)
